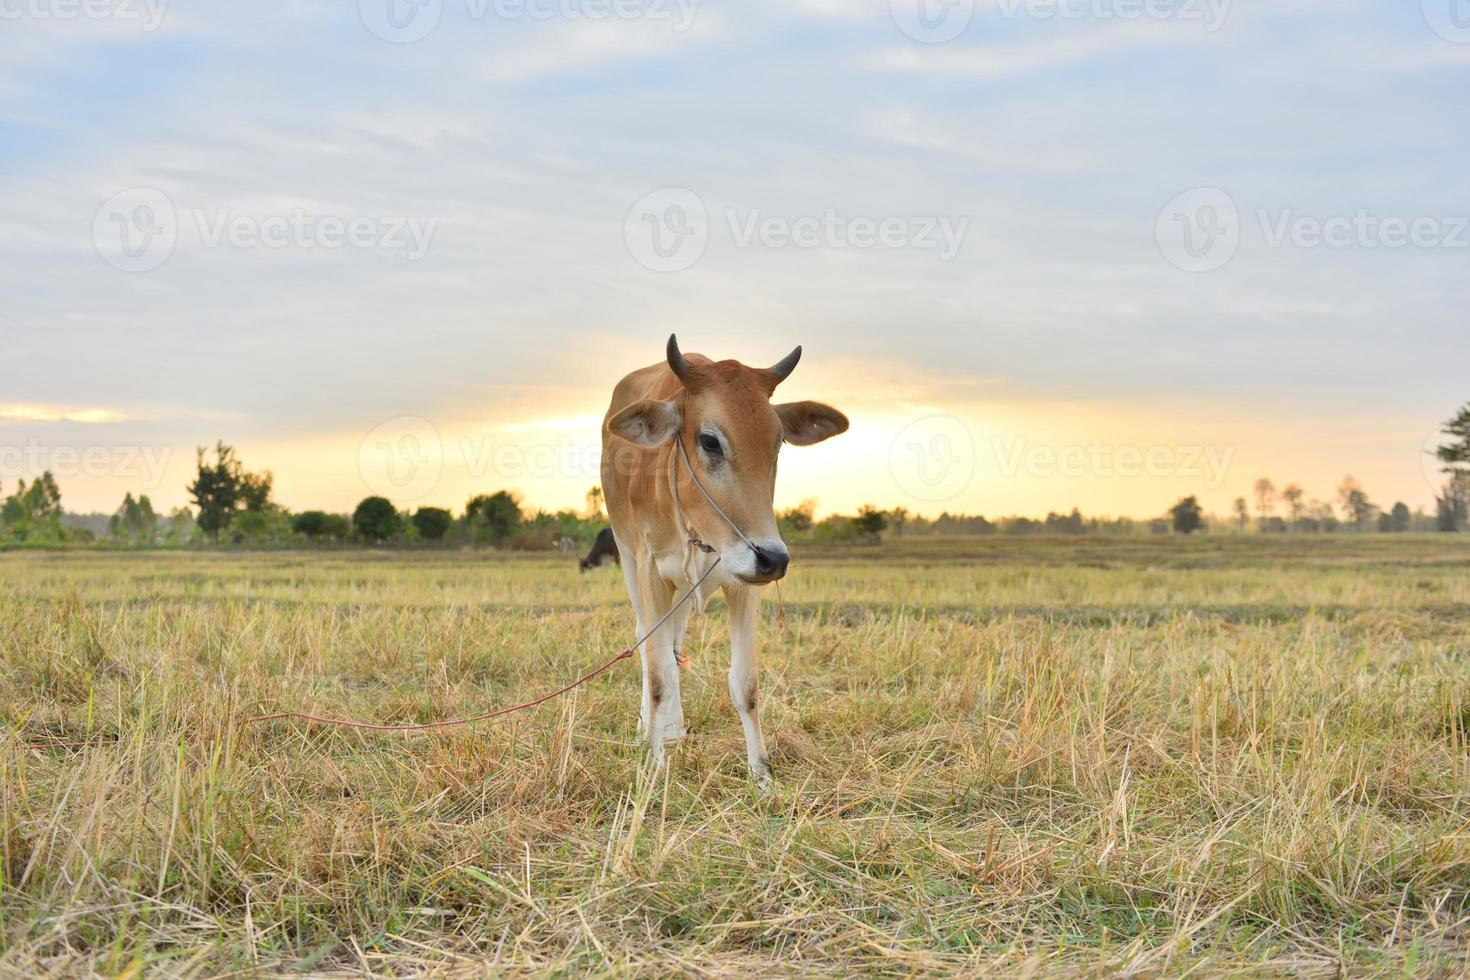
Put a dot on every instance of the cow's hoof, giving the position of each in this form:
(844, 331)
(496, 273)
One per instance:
(765, 780)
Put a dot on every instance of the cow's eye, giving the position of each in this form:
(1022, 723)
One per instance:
(710, 444)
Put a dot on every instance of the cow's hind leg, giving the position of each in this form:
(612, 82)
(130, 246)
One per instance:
(745, 604)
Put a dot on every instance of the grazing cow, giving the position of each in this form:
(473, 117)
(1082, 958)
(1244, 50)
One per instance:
(603, 548)
(689, 472)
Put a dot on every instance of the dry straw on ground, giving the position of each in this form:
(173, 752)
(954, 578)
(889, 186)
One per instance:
(1078, 757)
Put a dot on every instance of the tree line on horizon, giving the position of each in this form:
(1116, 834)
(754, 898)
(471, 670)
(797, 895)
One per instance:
(235, 506)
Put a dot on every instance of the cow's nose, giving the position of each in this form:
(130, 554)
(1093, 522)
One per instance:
(770, 563)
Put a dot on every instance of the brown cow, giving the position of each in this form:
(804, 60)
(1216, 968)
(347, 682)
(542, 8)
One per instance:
(689, 451)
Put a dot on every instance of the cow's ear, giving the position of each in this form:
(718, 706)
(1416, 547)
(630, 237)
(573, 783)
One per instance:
(806, 423)
(649, 423)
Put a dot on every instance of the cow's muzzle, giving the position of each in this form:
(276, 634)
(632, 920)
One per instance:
(770, 565)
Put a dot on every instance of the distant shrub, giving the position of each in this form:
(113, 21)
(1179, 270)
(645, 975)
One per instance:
(318, 525)
(432, 523)
(310, 523)
(250, 527)
(376, 520)
(492, 517)
(530, 540)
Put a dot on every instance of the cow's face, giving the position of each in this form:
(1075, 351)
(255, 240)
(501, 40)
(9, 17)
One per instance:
(732, 434)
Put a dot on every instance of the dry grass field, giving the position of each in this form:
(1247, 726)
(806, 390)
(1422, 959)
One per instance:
(1158, 756)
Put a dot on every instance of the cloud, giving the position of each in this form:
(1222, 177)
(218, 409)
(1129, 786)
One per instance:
(1005, 60)
(42, 413)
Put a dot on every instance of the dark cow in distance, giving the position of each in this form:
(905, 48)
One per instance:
(606, 546)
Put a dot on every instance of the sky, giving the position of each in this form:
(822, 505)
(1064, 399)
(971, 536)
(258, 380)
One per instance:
(1044, 253)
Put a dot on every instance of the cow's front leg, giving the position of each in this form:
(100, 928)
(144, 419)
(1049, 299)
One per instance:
(630, 565)
(661, 666)
(745, 603)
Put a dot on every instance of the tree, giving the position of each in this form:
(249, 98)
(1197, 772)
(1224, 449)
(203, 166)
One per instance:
(432, 523)
(495, 516)
(1399, 519)
(800, 518)
(255, 490)
(1187, 516)
(223, 488)
(1454, 503)
(376, 520)
(33, 512)
(337, 528)
(134, 520)
(310, 524)
(1242, 513)
(1354, 503)
(898, 517)
(1265, 497)
(180, 525)
(253, 526)
(871, 522)
(594, 504)
(1455, 454)
(1293, 496)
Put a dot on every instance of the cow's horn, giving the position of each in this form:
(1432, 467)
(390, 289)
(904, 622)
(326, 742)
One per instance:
(677, 364)
(782, 369)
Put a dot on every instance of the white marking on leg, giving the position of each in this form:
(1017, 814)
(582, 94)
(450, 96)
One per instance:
(630, 579)
(666, 717)
(745, 604)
